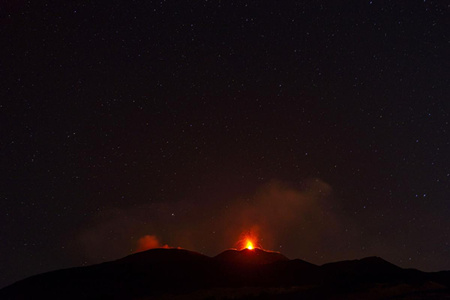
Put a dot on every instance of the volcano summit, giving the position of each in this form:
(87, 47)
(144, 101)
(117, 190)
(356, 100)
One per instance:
(250, 256)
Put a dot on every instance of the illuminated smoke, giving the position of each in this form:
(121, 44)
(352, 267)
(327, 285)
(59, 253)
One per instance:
(302, 221)
(148, 242)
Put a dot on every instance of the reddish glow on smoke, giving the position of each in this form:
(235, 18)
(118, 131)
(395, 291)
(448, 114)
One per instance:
(148, 242)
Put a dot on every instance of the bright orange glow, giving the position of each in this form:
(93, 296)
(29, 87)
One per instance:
(248, 240)
(249, 245)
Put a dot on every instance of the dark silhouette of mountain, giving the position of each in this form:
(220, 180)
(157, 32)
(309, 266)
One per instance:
(164, 256)
(370, 268)
(256, 274)
(247, 256)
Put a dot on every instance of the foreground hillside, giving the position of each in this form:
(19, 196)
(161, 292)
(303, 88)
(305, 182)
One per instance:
(257, 274)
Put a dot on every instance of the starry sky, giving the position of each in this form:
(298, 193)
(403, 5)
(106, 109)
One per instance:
(319, 126)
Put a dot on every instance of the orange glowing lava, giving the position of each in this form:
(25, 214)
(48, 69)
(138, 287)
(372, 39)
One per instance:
(249, 245)
(248, 240)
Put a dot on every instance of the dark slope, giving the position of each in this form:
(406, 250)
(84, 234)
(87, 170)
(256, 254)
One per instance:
(164, 256)
(357, 270)
(358, 266)
(264, 268)
(150, 272)
(177, 272)
(246, 256)
(370, 269)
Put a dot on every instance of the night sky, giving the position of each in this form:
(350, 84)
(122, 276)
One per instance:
(323, 128)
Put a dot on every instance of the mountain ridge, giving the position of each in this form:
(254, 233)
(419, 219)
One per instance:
(254, 256)
(181, 272)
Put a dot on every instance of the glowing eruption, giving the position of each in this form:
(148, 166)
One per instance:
(249, 245)
(248, 240)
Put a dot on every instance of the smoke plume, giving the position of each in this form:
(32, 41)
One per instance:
(148, 242)
(302, 221)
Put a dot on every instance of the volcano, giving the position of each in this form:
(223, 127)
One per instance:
(238, 274)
